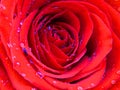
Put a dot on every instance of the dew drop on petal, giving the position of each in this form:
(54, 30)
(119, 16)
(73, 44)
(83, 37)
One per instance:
(39, 74)
(79, 88)
(49, 27)
(2, 7)
(20, 13)
(18, 63)
(67, 59)
(21, 23)
(13, 57)
(118, 72)
(10, 24)
(18, 30)
(9, 45)
(80, 41)
(54, 82)
(113, 82)
(23, 74)
(30, 61)
(72, 55)
(34, 89)
(5, 82)
(22, 44)
(94, 54)
(92, 84)
(30, 49)
(28, 64)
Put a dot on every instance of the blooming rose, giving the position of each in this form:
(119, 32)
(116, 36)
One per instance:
(59, 45)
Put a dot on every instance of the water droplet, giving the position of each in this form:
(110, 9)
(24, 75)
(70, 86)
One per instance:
(92, 84)
(49, 27)
(21, 23)
(22, 45)
(68, 59)
(94, 54)
(10, 24)
(39, 74)
(5, 82)
(54, 82)
(80, 41)
(28, 64)
(118, 9)
(113, 82)
(73, 54)
(23, 74)
(9, 45)
(30, 61)
(2, 7)
(79, 88)
(30, 49)
(13, 57)
(118, 72)
(18, 63)
(18, 30)
(20, 13)
(34, 89)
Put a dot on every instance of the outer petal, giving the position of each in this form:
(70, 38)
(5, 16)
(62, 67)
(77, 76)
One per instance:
(17, 81)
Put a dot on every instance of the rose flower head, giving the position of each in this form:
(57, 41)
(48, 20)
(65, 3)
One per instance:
(59, 45)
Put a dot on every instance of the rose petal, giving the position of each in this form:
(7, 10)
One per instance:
(17, 81)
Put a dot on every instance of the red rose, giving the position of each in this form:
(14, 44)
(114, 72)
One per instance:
(59, 45)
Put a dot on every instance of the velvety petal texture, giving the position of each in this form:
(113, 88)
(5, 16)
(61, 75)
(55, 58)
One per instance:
(59, 45)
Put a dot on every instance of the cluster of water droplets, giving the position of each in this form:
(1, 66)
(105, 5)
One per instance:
(4, 82)
(2, 7)
(19, 28)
